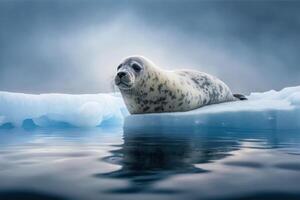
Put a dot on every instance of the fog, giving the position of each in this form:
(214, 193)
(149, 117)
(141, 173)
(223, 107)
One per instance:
(75, 46)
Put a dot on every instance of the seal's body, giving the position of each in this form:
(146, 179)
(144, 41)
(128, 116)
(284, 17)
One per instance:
(147, 88)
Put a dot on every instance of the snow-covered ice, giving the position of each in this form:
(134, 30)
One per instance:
(268, 110)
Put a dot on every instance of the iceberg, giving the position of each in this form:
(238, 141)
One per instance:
(272, 110)
(48, 110)
(268, 110)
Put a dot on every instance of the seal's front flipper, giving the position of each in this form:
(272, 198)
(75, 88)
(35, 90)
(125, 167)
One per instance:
(240, 97)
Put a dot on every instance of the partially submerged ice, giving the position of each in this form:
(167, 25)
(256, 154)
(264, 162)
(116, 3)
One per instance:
(272, 110)
(268, 110)
(46, 110)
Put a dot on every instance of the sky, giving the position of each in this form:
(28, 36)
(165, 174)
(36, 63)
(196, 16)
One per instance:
(72, 46)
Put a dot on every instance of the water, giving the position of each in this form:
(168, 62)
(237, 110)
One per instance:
(109, 163)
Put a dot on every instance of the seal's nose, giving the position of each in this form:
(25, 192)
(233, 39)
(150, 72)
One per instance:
(121, 74)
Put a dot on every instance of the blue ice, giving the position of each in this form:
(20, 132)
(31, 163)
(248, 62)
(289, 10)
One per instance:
(268, 110)
(47, 110)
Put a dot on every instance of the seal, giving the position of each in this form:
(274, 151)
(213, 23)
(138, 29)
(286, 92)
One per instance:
(146, 88)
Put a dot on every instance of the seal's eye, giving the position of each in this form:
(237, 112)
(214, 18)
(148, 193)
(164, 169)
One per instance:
(136, 67)
(119, 66)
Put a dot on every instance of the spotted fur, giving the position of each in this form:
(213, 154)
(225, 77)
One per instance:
(157, 90)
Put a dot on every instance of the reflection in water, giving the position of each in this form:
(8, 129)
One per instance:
(149, 163)
(146, 159)
(150, 155)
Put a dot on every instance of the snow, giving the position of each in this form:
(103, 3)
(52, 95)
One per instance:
(268, 110)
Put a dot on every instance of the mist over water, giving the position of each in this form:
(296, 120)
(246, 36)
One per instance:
(74, 47)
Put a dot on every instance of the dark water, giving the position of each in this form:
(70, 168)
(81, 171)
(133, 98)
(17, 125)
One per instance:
(107, 163)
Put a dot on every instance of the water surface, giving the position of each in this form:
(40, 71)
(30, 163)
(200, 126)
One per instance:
(112, 163)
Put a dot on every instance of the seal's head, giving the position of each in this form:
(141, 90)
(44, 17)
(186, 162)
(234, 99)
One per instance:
(130, 72)
(138, 79)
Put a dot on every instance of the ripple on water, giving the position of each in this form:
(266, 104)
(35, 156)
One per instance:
(289, 166)
(28, 195)
(275, 195)
(100, 165)
(249, 164)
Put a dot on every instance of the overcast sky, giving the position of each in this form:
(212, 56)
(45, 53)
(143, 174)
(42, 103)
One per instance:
(75, 46)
